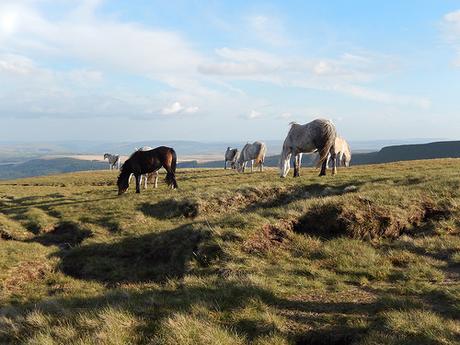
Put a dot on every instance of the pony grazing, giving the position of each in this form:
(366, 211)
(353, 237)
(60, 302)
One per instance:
(318, 135)
(152, 177)
(255, 153)
(342, 151)
(114, 160)
(144, 162)
(231, 155)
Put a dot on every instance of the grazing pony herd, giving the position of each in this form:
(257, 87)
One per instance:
(317, 136)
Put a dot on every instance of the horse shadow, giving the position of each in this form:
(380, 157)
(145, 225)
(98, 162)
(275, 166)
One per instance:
(152, 257)
(170, 208)
(65, 234)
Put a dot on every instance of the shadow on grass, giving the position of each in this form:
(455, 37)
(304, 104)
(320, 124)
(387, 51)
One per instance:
(152, 257)
(65, 234)
(170, 208)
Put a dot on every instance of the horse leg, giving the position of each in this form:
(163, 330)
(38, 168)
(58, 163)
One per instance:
(334, 163)
(297, 165)
(323, 168)
(155, 181)
(252, 165)
(138, 183)
(146, 177)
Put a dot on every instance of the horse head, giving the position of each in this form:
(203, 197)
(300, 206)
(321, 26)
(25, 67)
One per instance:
(123, 178)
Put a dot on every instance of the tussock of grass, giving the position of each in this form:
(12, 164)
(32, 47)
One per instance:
(366, 218)
(188, 330)
(38, 221)
(355, 258)
(415, 327)
(12, 230)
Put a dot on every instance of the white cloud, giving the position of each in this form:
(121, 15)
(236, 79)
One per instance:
(285, 115)
(107, 43)
(16, 64)
(342, 74)
(174, 108)
(192, 109)
(451, 28)
(254, 115)
(177, 108)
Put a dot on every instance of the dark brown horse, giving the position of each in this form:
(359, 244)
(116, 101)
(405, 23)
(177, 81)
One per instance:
(144, 162)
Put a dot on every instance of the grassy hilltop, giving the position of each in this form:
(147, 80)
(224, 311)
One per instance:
(370, 256)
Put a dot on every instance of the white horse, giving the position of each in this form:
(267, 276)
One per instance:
(149, 176)
(114, 160)
(318, 135)
(255, 153)
(231, 155)
(342, 151)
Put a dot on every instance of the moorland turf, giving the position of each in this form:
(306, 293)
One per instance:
(370, 256)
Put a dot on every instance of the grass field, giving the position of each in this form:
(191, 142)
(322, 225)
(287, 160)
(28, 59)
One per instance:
(370, 256)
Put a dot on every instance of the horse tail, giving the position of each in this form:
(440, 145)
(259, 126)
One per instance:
(171, 172)
(260, 155)
(329, 134)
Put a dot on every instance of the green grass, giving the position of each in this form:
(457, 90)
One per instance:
(370, 256)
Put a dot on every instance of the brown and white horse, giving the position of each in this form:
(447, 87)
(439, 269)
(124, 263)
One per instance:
(145, 162)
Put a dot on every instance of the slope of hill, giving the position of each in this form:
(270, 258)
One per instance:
(370, 256)
(39, 167)
(443, 149)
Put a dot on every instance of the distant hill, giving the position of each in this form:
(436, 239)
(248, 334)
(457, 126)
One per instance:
(39, 167)
(444, 149)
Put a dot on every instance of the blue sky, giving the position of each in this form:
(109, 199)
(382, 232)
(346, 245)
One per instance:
(227, 70)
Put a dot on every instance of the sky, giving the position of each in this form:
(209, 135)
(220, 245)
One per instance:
(227, 70)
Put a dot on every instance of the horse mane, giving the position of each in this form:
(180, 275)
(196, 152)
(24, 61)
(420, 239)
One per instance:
(125, 171)
(292, 123)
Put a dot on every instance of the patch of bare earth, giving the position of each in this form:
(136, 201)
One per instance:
(24, 273)
(269, 237)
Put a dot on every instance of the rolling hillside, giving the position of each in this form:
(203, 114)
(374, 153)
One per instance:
(39, 167)
(370, 256)
(443, 149)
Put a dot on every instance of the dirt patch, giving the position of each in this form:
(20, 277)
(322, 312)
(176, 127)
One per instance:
(269, 237)
(25, 273)
(365, 219)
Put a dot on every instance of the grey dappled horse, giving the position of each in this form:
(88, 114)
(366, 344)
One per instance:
(255, 153)
(114, 160)
(318, 135)
(231, 155)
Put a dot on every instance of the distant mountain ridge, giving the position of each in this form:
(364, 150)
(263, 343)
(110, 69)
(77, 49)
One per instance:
(38, 167)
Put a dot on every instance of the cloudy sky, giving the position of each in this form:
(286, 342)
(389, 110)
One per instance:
(227, 70)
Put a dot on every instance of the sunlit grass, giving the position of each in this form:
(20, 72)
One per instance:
(370, 256)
